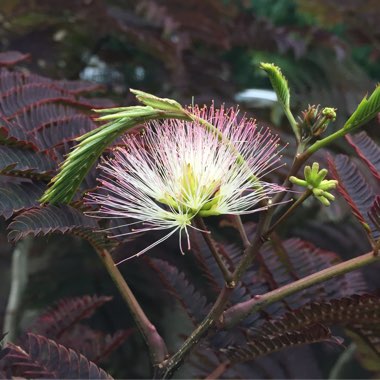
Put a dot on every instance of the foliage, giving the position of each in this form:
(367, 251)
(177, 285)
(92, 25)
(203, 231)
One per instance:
(61, 356)
(47, 127)
(43, 358)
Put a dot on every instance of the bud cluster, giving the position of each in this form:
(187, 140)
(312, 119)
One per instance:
(314, 121)
(316, 182)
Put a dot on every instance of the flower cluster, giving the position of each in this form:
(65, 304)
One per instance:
(179, 169)
(315, 181)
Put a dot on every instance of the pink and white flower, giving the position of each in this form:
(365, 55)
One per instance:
(179, 169)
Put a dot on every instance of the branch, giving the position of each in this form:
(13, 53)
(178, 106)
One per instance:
(238, 312)
(212, 317)
(18, 284)
(156, 345)
(214, 250)
(258, 241)
(285, 215)
(243, 234)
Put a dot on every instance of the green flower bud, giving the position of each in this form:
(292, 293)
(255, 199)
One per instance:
(329, 113)
(316, 182)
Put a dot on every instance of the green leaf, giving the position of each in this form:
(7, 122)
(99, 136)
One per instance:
(279, 83)
(366, 110)
(156, 102)
(280, 86)
(79, 161)
(92, 144)
(134, 111)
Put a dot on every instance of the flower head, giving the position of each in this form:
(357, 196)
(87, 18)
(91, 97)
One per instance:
(180, 169)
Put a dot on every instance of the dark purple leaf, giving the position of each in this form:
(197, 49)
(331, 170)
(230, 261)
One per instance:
(60, 318)
(30, 95)
(374, 212)
(16, 197)
(12, 133)
(26, 163)
(177, 285)
(10, 58)
(367, 150)
(355, 190)
(53, 219)
(44, 358)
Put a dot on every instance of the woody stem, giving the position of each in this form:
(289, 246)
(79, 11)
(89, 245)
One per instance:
(214, 250)
(156, 345)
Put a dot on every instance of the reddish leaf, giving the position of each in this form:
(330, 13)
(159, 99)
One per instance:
(30, 95)
(15, 197)
(66, 313)
(263, 345)
(25, 163)
(10, 58)
(367, 150)
(374, 212)
(53, 219)
(354, 188)
(62, 130)
(12, 133)
(44, 358)
(176, 283)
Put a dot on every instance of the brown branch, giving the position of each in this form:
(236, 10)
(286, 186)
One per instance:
(212, 317)
(238, 312)
(214, 250)
(156, 345)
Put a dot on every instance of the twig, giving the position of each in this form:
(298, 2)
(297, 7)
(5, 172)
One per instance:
(299, 160)
(172, 363)
(293, 124)
(250, 252)
(216, 311)
(239, 311)
(243, 234)
(214, 250)
(286, 214)
(156, 345)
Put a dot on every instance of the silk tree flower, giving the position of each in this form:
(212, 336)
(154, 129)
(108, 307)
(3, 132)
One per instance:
(178, 169)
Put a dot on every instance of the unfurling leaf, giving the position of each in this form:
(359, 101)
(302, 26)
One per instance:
(280, 86)
(156, 102)
(366, 110)
(279, 83)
